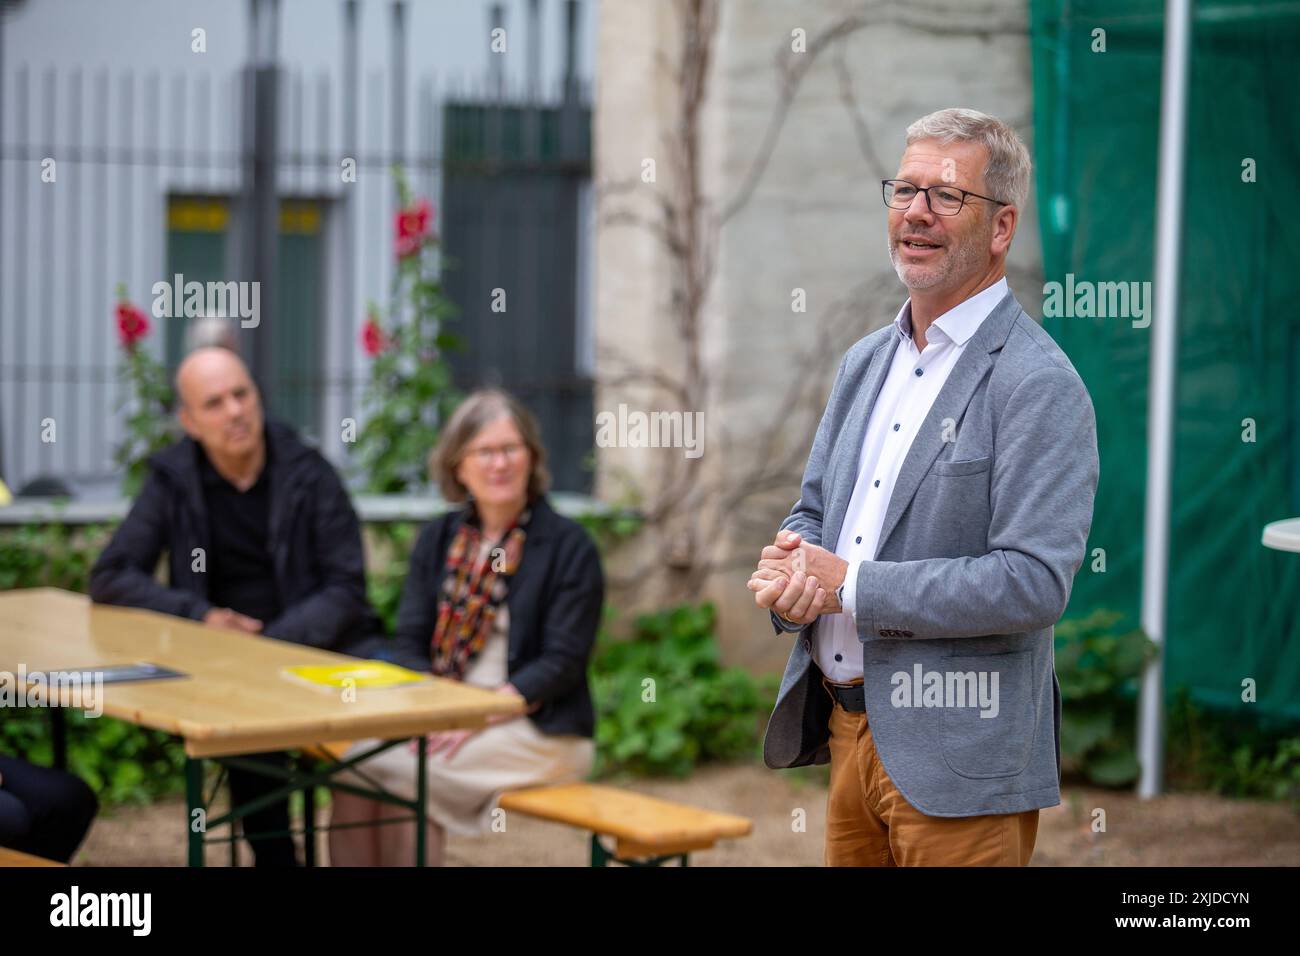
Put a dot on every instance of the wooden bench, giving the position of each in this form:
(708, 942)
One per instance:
(15, 858)
(647, 831)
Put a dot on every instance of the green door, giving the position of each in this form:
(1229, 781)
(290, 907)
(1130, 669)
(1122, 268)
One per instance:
(198, 228)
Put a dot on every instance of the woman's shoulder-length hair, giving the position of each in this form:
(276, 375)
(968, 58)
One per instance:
(480, 408)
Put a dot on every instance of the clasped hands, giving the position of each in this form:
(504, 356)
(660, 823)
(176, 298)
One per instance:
(224, 617)
(797, 580)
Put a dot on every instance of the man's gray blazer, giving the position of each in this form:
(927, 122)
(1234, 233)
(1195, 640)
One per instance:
(981, 541)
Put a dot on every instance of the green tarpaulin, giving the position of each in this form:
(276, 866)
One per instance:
(1234, 605)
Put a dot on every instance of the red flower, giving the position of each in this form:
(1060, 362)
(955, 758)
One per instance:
(413, 227)
(132, 324)
(373, 339)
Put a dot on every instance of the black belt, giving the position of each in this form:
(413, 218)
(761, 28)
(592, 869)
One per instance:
(852, 697)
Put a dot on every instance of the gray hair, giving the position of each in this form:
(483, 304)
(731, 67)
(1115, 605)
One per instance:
(1006, 177)
(208, 330)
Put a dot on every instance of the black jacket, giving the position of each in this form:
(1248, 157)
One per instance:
(314, 537)
(555, 599)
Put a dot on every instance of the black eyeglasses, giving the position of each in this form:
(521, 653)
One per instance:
(942, 200)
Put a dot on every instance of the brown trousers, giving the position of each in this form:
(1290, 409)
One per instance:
(869, 823)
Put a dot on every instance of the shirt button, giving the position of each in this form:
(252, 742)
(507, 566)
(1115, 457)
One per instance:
(877, 482)
(858, 540)
(895, 426)
(920, 372)
(838, 657)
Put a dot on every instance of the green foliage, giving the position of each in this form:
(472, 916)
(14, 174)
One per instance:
(49, 555)
(664, 704)
(121, 762)
(1234, 755)
(393, 544)
(1230, 754)
(610, 528)
(410, 392)
(1098, 670)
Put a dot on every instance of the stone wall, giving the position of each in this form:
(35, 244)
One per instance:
(789, 148)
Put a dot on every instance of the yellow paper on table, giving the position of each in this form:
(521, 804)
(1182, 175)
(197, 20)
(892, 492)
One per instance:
(369, 674)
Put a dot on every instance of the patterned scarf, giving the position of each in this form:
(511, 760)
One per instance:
(473, 587)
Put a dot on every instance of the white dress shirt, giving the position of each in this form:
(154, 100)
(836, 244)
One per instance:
(911, 385)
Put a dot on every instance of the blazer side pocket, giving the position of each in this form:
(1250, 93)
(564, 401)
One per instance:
(983, 743)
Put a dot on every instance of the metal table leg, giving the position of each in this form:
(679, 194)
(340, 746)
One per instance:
(59, 736)
(303, 778)
(194, 825)
(309, 825)
(421, 801)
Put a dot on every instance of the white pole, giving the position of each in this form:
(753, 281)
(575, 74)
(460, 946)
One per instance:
(1160, 411)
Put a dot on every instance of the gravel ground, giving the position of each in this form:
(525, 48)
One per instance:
(1175, 830)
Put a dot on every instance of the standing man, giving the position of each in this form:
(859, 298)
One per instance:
(260, 535)
(943, 514)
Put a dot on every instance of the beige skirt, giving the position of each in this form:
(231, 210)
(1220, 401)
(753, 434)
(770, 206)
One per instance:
(463, 791)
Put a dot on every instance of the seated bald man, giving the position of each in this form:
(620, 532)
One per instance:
(281, 545)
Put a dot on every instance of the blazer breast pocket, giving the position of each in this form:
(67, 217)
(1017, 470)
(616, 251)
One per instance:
(967, 466)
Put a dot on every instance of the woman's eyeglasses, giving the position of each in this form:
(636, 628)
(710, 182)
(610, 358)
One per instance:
(484, 456)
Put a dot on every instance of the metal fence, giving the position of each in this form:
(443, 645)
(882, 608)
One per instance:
(150, 175)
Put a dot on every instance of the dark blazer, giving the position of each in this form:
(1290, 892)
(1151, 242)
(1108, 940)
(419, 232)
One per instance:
(555, 599)
(314, 536)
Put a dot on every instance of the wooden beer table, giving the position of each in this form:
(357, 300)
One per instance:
(234, 701)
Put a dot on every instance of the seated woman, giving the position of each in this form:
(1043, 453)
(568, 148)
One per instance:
(503, 593)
